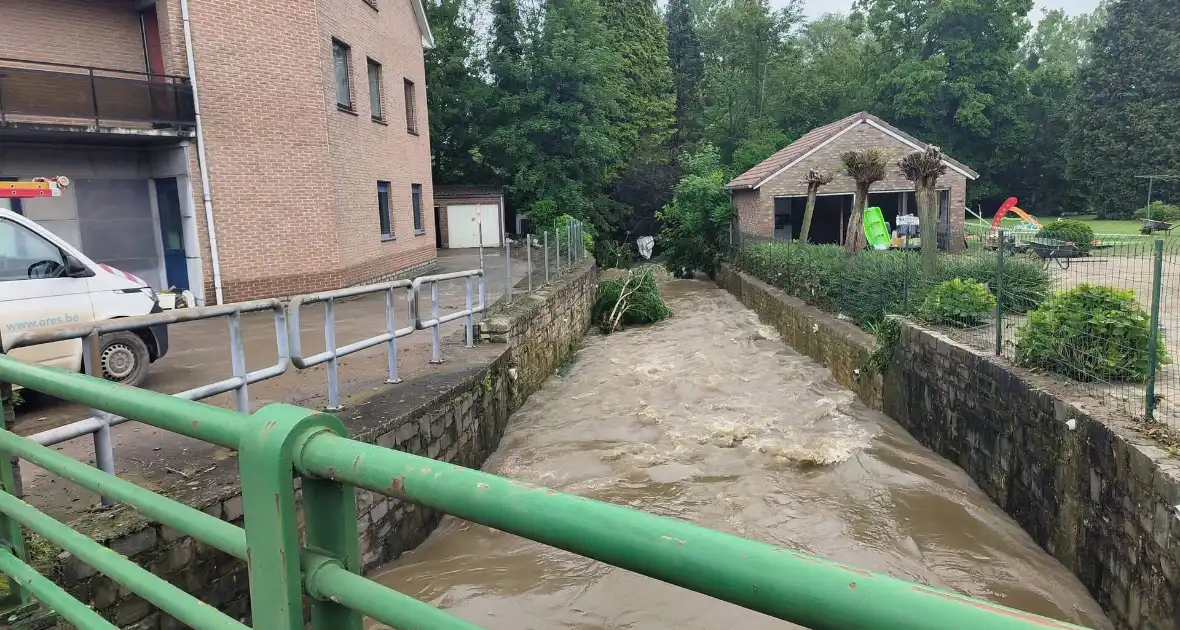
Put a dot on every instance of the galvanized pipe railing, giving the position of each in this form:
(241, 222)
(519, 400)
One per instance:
(332, 353)
(282, 442)
(99, 423)
(436, 319)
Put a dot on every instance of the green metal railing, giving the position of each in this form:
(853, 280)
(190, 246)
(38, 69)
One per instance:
(280, 443)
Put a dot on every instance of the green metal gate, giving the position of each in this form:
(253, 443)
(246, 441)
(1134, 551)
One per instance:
(280, 443)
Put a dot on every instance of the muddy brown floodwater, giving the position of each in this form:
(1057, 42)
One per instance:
(710, 418)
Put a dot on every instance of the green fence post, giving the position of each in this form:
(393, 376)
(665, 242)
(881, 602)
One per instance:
(1153, 337)
(11, 532)
(266, 457)
(1000, 295)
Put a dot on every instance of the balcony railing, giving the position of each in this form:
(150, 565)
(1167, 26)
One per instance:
(34, 91)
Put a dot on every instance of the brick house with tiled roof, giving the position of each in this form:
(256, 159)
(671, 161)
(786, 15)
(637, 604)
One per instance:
(769, 199)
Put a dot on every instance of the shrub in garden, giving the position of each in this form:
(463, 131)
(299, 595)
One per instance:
(1090, 333)
(958, 302)
(1070, 231)
(1160, 211)
(1026, 282)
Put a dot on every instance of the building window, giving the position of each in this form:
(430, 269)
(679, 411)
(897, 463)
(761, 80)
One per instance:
(341, 60)
(383, 210)
(375, 108)
(416, 198)
(411, 108)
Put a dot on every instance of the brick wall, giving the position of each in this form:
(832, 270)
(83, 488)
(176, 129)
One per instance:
(103, 33)
(455, 416)
(1102, 498)
(756, 208)
(363, 151)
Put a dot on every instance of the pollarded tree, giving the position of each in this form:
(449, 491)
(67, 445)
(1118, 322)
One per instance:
(866, 167)
(815, 179)
(924, 168)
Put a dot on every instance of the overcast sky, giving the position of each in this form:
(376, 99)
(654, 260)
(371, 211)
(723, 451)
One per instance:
(815, 8)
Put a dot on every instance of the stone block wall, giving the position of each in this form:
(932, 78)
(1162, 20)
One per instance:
(1100, 497)
(1091, 489)
(456, 415)
(544, 327)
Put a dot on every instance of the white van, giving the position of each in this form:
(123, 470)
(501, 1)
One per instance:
(45, 282)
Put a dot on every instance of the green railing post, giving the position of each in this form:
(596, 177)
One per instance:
(1153, 337)
(266, 456)
(1000, 295)
(11, 532)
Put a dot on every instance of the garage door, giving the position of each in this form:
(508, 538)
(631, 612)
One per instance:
(463, 228)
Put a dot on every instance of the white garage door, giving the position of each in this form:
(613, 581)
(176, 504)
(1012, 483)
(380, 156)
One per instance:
(464, 224)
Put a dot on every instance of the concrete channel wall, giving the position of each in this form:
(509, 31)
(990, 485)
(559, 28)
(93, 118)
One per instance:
(456, 414)
(1086, 484)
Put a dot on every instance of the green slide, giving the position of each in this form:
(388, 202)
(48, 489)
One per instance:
(876, 229)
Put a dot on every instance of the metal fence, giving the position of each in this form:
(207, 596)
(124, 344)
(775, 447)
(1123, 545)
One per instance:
(281, 444)
(544, 255)
(1101, 314)
(288, 323)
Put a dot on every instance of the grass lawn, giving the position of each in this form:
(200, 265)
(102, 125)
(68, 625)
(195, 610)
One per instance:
(1122, 227)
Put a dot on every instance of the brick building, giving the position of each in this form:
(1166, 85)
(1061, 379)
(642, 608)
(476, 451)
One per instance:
(312, 120)
(770, 198)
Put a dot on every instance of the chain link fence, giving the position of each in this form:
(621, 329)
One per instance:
(1101, 314)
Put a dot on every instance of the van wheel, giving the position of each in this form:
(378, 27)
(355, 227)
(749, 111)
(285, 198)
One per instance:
(124, 358)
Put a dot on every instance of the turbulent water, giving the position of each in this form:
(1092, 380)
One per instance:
(709, 417)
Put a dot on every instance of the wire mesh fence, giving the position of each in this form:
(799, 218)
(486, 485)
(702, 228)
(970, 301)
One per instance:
(1100, 313)
(533, 260)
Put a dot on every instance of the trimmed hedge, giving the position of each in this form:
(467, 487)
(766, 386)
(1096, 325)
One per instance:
(868, 286)
(1077, 232)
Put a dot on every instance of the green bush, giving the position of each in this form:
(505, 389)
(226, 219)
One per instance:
(1090, 333)
(958, 302)
(1160, 211)
(1026, 283)
(612, 255)
(1070, 231)
(697, 221)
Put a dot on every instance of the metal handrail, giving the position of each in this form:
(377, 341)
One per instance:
(99, 423)
(280, 443)
(436, 320)
(52, 64)
(332, 353)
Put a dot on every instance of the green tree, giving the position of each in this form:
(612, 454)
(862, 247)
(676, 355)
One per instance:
(949, 72)
(750, 61)
(684, 57)
(456, 94)
(648, 106)
(561, 141)
(697, 220)
(1128, 105)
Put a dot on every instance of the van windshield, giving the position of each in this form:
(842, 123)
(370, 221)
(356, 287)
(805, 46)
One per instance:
(26, 255)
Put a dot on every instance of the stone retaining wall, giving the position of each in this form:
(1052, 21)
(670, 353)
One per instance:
(456, 414)
(1086, 484)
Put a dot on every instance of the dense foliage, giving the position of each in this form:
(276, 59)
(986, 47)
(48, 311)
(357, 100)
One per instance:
(697, 220)
(1159, 211)
(1070, 231)
(1128, 104)
(1090, 333)
(868, 286)
(585, 106)
(958, 302)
